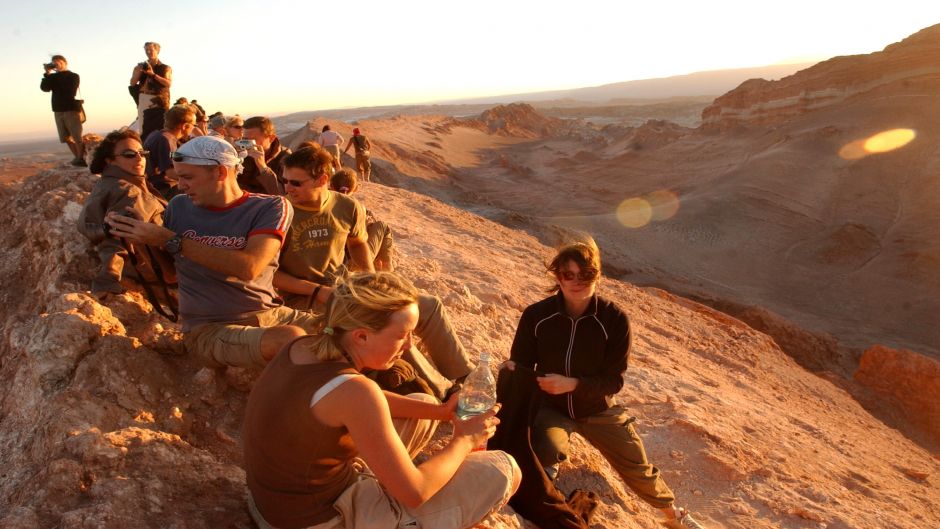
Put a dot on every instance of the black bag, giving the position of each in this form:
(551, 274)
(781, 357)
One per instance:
(134, 89)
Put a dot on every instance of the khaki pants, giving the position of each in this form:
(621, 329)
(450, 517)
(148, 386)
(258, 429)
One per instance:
(364, 166)
(481, 485)
(612, 433)
(239, 344)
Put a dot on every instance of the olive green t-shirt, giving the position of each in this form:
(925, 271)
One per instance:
(316, 242)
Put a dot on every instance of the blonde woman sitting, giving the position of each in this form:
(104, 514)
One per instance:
(326, 448)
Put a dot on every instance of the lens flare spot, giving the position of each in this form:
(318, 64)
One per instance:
(634, 212)
(882, 142)
(853, 151)
(664, 204)
(889, 140)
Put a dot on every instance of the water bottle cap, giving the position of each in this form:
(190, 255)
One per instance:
(484, 357)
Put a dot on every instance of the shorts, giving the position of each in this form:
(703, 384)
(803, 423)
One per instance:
(239, 344)
(69, 126)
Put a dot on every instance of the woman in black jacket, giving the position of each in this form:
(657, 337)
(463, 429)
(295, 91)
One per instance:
(579, 343)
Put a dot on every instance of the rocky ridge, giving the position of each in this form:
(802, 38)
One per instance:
(104, 424)
(907, 67)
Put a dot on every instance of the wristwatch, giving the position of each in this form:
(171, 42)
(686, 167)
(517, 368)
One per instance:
(174, 245)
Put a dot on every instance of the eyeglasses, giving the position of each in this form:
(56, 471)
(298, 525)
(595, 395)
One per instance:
(176, 156)
(129, 154)
(236, 126)
(295, 183)
(588, 274)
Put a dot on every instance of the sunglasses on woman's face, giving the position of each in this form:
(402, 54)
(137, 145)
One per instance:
(129, 154)
(236, 126)
(583, 275)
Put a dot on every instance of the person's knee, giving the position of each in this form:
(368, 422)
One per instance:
(516, 474)
(275, 338)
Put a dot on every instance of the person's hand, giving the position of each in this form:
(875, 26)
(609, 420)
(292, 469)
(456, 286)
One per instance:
(508, 364)
(257, 155)
(449, 407)
(479, 427)
(555, 384)
(136, 230)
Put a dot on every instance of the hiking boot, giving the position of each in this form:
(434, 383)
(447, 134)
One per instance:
(683, 520)
(78, 162)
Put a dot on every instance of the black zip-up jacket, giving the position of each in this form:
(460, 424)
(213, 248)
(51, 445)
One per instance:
(592, 348)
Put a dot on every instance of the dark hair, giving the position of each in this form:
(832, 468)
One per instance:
(586, 256)
(345, 178)
(105, 150)
(261, 122)
(325, 128)
(314, 161)
(59, 58)
(177, 115)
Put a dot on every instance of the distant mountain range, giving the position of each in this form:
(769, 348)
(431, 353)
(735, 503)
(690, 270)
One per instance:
(697, 85)
(709, 83)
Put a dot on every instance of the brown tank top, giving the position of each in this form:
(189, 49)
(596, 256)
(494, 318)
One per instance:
(296, 466)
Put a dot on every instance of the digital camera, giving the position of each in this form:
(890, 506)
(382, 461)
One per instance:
(245, 144)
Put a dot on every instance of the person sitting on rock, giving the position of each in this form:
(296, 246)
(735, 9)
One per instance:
(363, 153)
(380, 238)
(225, 243)
(120, 160)
(325, 447)
(265, 163)
(326, 224)
(581, 342)
(178, 122)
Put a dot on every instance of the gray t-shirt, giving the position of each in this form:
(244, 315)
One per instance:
(207, 296)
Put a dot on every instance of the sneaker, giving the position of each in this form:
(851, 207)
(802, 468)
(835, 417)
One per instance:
(683, 520)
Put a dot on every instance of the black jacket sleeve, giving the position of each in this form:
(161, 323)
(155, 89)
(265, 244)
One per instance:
(609, 379)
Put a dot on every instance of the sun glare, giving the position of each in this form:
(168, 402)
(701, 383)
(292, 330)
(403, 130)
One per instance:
(882, 142)
(665, 204)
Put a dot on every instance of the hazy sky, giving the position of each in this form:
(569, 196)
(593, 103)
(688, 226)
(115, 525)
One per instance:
(256, 57)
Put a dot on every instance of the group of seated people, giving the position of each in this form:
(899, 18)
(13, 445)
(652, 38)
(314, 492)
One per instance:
(279, 267)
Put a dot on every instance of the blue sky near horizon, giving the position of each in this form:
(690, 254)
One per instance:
(241, 56)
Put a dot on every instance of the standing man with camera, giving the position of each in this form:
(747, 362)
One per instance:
(64, 84)
(151, 82)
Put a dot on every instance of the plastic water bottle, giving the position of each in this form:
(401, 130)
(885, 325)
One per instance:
(479, 390)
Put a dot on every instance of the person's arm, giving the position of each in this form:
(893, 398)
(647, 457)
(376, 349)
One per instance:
(348, 144)
(358, 240)
(245, 264)
(524, 344)
(403, 407)
(48, 82)
(136, 75)
(359, 254)
(367, 145)
(360, 406)
(166, 80)
(608, 379)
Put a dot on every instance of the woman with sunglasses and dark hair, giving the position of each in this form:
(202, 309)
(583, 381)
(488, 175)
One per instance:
(121, 161)
(579, 343)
